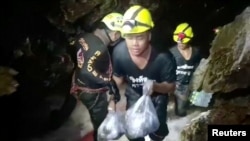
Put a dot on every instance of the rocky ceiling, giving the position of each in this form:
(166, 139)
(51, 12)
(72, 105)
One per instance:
(41, 17)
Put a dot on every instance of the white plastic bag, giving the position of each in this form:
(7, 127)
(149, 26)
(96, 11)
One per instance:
(201, 99)
(141, 119)
(112, 127)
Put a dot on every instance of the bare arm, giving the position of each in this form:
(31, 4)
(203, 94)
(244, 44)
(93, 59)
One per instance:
(168, 76)
(164, 87)
(119, 81)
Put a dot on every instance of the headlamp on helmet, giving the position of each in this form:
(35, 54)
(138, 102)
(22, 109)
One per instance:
(183, 33)
(131, 24)
(181, 36)
(137, 19)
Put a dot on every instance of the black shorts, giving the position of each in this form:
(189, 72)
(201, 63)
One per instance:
(182, 94)
(97, 105)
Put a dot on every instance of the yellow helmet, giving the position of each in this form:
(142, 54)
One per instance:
(113, 21)
(136, 19)
(183, 33)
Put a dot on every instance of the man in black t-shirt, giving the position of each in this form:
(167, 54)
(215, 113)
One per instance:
(135, 62)
(187, 59)
(93, 73)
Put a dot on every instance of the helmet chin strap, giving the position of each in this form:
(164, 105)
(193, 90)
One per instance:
(107, 34)
(115, 42)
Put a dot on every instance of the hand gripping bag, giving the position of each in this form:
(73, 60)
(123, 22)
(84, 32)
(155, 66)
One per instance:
(141, 119)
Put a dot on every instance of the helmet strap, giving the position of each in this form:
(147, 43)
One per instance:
(107, 34)
(182, 34)
(136, 13)
(132, 25)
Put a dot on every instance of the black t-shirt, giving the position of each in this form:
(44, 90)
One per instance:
(185, 68)
(93, 62)
(161, 67)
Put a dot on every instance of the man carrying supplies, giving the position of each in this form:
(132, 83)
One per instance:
(93, 74)
(136, 61)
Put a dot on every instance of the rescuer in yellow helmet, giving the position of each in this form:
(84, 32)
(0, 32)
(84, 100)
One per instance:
(187, 59)
(139, 65)
(92, 77)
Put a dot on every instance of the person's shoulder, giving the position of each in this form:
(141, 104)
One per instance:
(166, 55)
(173, 48)
(120, 47)
(166, 58)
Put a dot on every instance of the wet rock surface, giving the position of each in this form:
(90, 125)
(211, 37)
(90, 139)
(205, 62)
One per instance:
(8, 84)
(88, 12)
(225, 111)
(229, 58)
(224, 71)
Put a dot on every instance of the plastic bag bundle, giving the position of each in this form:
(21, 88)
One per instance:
(141, 119)
(201, 99)
(112, 127)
